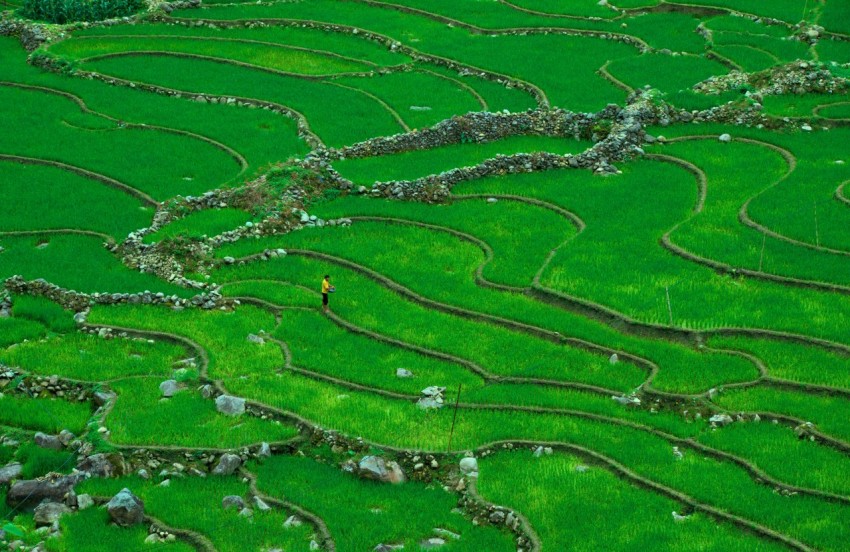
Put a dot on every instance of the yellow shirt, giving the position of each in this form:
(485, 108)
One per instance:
(326, 286)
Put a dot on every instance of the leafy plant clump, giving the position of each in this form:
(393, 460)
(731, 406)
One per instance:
(67, 11)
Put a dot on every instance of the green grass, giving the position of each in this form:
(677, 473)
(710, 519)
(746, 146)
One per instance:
(366, 303)
(37, 462)
(497, 96)
(16, 330)
(142, 418)
(537, 58)
(362, 514)
(76, 262)
(344, 45)
(416, 164)
(320, 346)
(225, 528)
(667, 73)
(555, 496)
(43, 311)
(716, 233)
(208, 222)
(262, 137)
(42, 203)
(793, 361)
(277, 293)
(269, 56)
(410, 93)
(92, 530)
(43, 414)
(87, 357)
(828, 413)
(837, 111)
(356, 117)
(166, 164)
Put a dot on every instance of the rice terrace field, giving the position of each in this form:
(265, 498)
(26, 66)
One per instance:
(589, 275)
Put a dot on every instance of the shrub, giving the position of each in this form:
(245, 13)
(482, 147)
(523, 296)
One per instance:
(66, 11)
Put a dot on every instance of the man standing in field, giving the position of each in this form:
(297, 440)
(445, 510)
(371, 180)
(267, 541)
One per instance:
(326, 289)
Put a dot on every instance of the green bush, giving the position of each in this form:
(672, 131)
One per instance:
(66, 11)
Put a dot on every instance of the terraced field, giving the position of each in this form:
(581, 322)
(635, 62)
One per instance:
(589, 270)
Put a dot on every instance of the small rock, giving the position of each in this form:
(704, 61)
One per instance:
(227, 464)
(721, 419)
(229, 405)
(469, 466)
(126, 509)
(84, 502)
(292, 521)
(403, 373)
(726, 138)
(232, 501)
(169, 388)
(48, 441)
(49, 512)
(9, 472)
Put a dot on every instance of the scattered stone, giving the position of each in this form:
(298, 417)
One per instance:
(433, 542)
(232, 501)
(388, 547)
(614, 359)
(229, 405)
(492, 200)
(252, 338)
(31, 492)
(726, 138)
(227, 464)
(169, 388)
(374, 467)
(84, 502)
(678, 453)
(292, 521)
(721, 419)
(806, 127)
(48, 441)
(626, 401)
(9, 472)
(445, 533)
(469, 466)
(265, 450)
(403, 373)
(246, 512)
(48, 512)
(677, 517)
(126, 509)
(581, 468)
(261, 505)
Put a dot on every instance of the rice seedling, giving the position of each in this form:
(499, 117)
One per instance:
(362, 514)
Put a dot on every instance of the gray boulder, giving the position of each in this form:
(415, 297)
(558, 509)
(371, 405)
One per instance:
(227, 464)
(169, 388)
(10, 472)
(229, 405)
(403, 373)
(48, 441)
(84, 502)
(31, 492)
(376, 468)
(232, 501)
(469, 466)
(126, 509)
(97, 465)
(49, 512)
